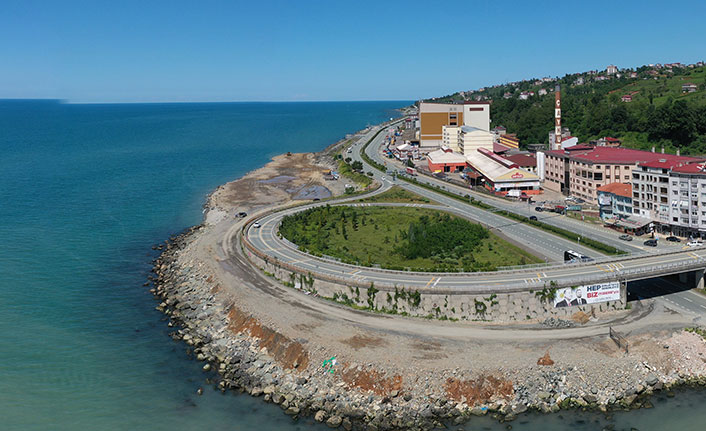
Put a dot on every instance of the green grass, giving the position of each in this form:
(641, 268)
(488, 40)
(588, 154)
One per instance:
(667, 86)
(587, 218)
(380, 231)
(361, 179)
(397, 195)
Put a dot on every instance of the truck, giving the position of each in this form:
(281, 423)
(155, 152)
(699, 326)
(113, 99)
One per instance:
(410, 171)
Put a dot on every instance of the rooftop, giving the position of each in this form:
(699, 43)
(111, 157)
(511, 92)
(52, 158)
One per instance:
(522, 160)
(618, 189)
(441, 157)
(500, 148)
(618, 155)
(498, 169)
(691, 168)
(469, 129)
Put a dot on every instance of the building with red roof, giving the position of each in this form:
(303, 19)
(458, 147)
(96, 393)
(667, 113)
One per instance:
(672, 193)
(526, 161)
(580, 170)
(615, 203)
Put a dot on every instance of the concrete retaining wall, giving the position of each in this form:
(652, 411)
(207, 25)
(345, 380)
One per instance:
(499, 307)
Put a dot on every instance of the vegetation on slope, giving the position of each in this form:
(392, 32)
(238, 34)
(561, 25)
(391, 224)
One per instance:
(397, 194)
(659, 114)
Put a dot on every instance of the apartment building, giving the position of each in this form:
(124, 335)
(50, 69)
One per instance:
(687, 185)
(615, 201)
(673, 195)
(580, 170)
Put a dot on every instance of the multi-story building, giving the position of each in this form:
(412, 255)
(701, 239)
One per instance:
(580, 170)
(611, 70)
(434, 116)
(673, 195)
(615, 201)
(472, 138)
(432, 119)
(449, 137)
(688, 205)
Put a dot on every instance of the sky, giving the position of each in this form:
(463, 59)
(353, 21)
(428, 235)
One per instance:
(309, 50)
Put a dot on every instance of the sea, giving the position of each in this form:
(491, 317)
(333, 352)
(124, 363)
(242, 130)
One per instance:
(86, 190)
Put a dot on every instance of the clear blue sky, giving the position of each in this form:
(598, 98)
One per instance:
(119, 51)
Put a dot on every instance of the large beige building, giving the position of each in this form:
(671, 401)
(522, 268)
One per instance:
(434, 116)
(471, 139)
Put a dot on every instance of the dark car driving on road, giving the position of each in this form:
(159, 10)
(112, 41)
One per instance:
(673, 239)
(651, 243)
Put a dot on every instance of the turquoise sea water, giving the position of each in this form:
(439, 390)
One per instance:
(85, 191)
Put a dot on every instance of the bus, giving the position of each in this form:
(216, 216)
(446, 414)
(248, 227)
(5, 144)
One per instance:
(571, 256)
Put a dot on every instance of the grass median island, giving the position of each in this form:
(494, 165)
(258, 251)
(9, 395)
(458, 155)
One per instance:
(401, 238)
(397, 194)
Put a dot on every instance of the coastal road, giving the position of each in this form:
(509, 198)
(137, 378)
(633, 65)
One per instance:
(541, 243)
(604, 235)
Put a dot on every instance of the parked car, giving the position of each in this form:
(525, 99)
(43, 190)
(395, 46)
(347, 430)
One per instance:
(673, 238)
(651, 243)
(625, 237)
(533, 218)
(538, 209)
(256, 225)
(579, 201)
(695, 243)
(242, 214)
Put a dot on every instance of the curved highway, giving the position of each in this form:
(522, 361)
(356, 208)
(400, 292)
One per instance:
(637, 266)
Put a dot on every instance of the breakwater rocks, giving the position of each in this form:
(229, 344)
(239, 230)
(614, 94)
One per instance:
(241, 353)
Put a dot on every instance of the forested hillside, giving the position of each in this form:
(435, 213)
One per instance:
(659, 114)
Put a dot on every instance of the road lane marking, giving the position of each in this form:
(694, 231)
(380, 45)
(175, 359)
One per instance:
(435, 283)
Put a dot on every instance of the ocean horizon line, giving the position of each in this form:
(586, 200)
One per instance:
(70, 102)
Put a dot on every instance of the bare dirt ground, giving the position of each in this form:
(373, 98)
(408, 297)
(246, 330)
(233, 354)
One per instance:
(287, 177)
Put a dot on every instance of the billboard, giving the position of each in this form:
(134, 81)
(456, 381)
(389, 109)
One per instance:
(589, 294)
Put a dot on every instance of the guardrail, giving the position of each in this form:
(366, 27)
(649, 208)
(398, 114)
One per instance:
(619, 274)
(505, 270)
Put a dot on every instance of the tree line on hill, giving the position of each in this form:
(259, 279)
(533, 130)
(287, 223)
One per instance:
(660, 115)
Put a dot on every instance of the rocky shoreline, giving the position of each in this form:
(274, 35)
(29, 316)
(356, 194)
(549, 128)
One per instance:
(248, 356)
